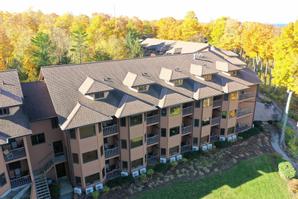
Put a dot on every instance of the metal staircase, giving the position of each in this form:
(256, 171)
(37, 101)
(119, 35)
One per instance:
(41, 187)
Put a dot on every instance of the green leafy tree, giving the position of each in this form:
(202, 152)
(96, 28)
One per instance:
(79, 45)
(133, 44)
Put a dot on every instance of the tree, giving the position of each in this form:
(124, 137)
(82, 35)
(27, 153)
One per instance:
(217, 29)
(133, 44)
(190, 26)
(167, 28)
(6, 50)
(40, 53)
(285, 71)
(231, 38)
(79, 45)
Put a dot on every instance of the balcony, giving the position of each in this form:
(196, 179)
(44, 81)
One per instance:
(217, 103)
(110, 152)
(242, 112)
(185, 148)
(240, 129)
(20, 181)
(110, 130)
(152, 140)
(113, 174)
(152, 160)
(186, 129)
(215, 120)
(14, 154)
(152, 119)
(187, 110)
(246, 95)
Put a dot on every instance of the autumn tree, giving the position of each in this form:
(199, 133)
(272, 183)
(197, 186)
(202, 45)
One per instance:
(190, 26)
(168, 28)
(285, 71)
(6, 50)
(217, 29)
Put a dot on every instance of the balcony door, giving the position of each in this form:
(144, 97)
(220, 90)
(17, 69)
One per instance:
(58, 148)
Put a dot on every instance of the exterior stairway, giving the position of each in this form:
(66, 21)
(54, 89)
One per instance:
(41, 186)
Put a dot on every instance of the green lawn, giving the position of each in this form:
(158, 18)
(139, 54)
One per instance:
(256, 178)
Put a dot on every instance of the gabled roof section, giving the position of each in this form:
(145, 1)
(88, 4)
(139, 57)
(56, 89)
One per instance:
(82, 115)
(130, 106)
(10, 89)
(133, 80)
(230, 56)
(233, 86)
(170, 75)
(92, 86)
(225, 66)
(199, 70)
(169, 98)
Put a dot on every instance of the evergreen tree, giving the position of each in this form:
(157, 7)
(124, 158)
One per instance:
(79, 45)
(133, 44)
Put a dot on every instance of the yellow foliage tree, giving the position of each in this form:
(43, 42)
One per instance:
(6, 50)
(189, 27)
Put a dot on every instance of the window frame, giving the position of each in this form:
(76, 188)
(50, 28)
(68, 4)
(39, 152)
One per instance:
(174, 128)
(87, 157)
(40, 139)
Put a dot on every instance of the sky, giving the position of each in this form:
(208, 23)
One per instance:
(266, 11)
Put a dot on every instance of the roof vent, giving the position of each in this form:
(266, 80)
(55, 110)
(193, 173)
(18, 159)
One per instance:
(178, 69)
(107, 79)
(145, 74)
(198, 56)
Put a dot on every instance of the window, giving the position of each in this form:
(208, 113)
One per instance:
(198, 104)
(207, 102)
(135, 142)
(163, 132)
(164, 112)
(226, 97)
(222, 131)
(123, 121)
(233, 96)
(90, 156)
(2, 180)
(103, 171)
(72, 133)
(124, 165)
(195, 141)
(123, 144)
(78, 180)
(208, 77)
(163, 151)
(224, 114)
(54, 122)
(135, 120)
(174, 131)
(101, 151)
(231, 130)
(178, 82)
(99, 127)
(196, 122)
(4, 111)
(38, 139)
(205, 122)
(174, 150)
(232, 113)
(175, 111)
(75, 158)
(143, 88)
(99, 95)
(92, 178)
(87, 131)
(137, 163)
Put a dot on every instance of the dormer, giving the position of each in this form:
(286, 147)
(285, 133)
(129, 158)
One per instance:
(202, 71)
(227, 68)
(137, 83)
(4, 112)
(172, 77)
(94, 90)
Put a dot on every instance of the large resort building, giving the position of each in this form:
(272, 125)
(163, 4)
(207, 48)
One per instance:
(97, 121)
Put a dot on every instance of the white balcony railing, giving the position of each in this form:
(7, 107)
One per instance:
(153, 139)
(152, 119)
(14, 154)
(186, 129)
(187, 110)
(112, 152)
(109, 130)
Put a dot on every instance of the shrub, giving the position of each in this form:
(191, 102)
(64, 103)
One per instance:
(95, 194)
(55, 190)
(286, 170)
(174, 164)
(106, 189)
(160, 168)
(251, 132)
(222, 144)
(120, 181)
(150, 172)
(192, 155)
(143, 178)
